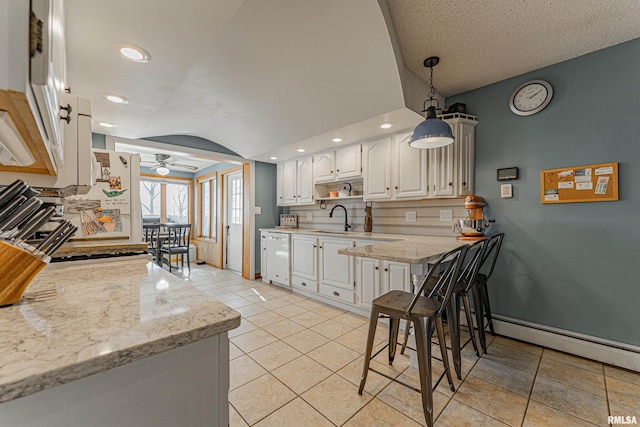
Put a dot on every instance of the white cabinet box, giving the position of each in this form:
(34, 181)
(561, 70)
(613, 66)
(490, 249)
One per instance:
(297, 182)
(338, 165)
(304, 262)
(375, 277)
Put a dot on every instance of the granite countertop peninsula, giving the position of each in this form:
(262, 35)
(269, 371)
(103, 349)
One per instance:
(411, 249)
(75, 320)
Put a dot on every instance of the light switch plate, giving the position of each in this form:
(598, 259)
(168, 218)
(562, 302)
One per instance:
(309, 216)
(506, 191)
(410, 216)
(446, 215)
(257, 210)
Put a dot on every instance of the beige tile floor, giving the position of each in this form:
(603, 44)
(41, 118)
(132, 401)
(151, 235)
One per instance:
(298, 362)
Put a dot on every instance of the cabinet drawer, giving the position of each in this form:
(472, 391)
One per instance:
(338, 293)
(306, 284)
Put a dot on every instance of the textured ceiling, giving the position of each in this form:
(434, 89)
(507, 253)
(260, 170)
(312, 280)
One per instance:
(483, 42)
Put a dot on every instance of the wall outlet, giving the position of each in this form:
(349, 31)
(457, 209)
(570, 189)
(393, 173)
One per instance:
(446, 215)
(309, 216)
(410, 216)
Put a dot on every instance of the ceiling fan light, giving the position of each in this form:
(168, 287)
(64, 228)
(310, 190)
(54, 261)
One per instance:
(162, 170)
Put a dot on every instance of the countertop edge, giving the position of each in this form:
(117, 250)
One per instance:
(35, 383)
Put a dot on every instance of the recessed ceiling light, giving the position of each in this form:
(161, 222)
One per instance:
(301, 150)
(337, 139)
(131, 52)
(273, 158)
(386, 125)
(107, 125)
(115, 98)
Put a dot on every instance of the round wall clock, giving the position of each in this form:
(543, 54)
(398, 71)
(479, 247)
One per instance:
(530, 97)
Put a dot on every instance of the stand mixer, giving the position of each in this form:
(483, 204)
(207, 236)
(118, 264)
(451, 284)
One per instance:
(472, 228)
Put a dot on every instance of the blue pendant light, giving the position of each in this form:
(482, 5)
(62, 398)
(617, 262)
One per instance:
(432, 132)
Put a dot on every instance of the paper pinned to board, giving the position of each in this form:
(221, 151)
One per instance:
(608, 170)
(551, 197)
(584, 185)
(601, 186)
(565, 184)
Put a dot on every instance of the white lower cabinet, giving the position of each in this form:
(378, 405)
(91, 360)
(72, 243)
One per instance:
(304, 262)
(263, 256)
(336, 270)
(375, 277)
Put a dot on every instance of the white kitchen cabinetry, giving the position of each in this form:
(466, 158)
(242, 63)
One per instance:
(263, 256)
(325, 167)
(349, 162)
(336, 270)
(297, 182)
(376, 167)
(304, 262)
(338, 165)
(375, 277)
(280, 184)
(410, 174)
(452, 167)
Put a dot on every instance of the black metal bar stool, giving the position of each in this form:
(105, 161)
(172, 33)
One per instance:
(483, 309)
(425, 313)
(465, 285)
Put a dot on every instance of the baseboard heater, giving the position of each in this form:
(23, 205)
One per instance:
(606, 351)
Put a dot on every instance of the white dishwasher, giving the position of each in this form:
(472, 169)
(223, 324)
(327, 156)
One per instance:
(278, 259)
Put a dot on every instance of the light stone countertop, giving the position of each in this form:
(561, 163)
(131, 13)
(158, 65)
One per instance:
(75, 320)
(411, 249)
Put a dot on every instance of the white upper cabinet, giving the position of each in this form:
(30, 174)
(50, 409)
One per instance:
(297, 181)
(390, 169)
(452, 167)
(325, 167)
(441, 169)
(305, 181)
(349, 162)
(280, 184)
(338, 165)
(376, 167)
(410, 169)
(290, 174)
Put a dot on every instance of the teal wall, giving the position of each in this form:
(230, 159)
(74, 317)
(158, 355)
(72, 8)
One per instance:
(574, 266)
(266, 196)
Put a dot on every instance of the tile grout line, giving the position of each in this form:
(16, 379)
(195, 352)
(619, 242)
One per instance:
(535, 377)
(606, 392)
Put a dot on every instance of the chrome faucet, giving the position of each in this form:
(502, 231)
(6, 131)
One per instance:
(346, 225)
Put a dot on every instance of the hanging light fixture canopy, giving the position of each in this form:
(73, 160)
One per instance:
(432, 132)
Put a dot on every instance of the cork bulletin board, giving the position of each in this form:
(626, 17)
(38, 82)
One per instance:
(591, 183)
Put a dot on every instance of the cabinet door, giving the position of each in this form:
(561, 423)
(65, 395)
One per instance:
(410, 169)
(280, 184)
(290, 174)
(263, 257)
(377, 170)
(367, 281)
(324, 165)
(465, 145)
(396, 276)
(349, 162)
(304, 259)
(441, 165)
(336, 269)
(305, 181)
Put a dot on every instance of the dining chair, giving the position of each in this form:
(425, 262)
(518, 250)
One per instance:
(177, 243)
(486, 270)
(464, 285)
(150, 234)
(425, 313)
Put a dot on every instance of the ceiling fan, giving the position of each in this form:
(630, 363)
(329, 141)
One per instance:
(163, 161)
